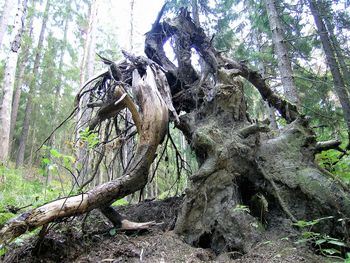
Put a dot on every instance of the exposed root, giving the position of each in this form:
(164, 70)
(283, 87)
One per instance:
(277, 194)
(129, 225)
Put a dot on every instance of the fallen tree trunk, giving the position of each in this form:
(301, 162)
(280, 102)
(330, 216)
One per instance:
(154, 115)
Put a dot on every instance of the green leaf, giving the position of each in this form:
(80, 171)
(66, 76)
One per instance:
(3, 251)
(45, 161)
(330, 251)
(112, 232)
(320, 241)
(309, 235)
(337, 243)
(55, 153)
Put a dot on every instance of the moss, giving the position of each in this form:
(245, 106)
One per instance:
(4, 217)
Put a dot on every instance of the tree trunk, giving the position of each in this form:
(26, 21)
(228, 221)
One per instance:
(32, 88)
(338, 51)
(8, 83)
(87, 71)
(195, 13)
(262, 70)
(131, 35)
(338, 81)
(56, 101)
(284, 64)
(20, 78)
(6, 14)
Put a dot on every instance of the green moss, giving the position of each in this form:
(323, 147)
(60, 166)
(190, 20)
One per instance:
(4, 217)
(120, 202)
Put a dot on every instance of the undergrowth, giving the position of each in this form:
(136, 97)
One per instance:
(26, 188)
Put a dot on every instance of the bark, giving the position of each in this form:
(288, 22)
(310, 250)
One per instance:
(284, 63)
(127, 148)
(57, 90)
(6, 14)
(338, 81)
(262, 70)
(32, 88)
(9, 79)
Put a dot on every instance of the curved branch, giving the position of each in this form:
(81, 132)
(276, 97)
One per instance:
(286, 109)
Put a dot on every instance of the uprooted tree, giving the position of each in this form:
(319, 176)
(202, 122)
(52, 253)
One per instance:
(239, 160)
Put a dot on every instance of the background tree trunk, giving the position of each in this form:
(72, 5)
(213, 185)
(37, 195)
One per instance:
(86, 72)
(9, 79)
(337, 49)
(32, 89)
(284, 64)
(9, 5)
(338, 81)
(20, 78)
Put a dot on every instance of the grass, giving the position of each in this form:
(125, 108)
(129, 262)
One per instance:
(18, 188)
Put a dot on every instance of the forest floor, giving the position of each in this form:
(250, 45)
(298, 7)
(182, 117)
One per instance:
(66, 242)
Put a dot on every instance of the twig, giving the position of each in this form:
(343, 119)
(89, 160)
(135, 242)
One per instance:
(59, 126)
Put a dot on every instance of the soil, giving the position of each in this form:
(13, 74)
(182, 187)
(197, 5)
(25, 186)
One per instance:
(92, 239)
